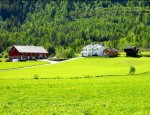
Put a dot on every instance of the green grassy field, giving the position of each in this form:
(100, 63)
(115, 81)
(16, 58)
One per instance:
(82, 86)
(3, 59)
(103, 95)
(10, 65)
(81, 68)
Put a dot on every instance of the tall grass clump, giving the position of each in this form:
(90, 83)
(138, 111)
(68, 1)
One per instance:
(132, 70)
(36, 76)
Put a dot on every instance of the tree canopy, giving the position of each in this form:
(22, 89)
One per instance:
(74, 23)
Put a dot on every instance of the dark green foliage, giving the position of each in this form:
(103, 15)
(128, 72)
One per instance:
(65, 53)
(51, 50)
(73, 24)
(60, 53)
(6, 56)
(132, 70)
(70, 53)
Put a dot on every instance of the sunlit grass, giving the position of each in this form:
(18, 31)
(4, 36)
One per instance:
(102, 95)
(84, 86)
(146, 54)
(2, 59)
(7, 65)
(85, 67)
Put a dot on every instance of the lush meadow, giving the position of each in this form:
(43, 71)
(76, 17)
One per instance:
(82, 86)
(103, 95)
(14, 65)
(81, 68)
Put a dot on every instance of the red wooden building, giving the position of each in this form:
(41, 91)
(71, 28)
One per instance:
(28, 52)
(112, 52)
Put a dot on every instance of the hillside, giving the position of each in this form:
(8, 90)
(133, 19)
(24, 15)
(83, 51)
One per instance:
(59, 25)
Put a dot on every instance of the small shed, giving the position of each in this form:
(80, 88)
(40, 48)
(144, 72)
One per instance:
(131, 51)
(27, 52)
(112, 52)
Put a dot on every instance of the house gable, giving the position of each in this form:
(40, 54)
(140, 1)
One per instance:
(13, 51)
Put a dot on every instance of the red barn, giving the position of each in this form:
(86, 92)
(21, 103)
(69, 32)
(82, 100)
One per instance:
(28, 52)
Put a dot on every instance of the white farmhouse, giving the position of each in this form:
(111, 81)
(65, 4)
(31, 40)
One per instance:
(93, 50)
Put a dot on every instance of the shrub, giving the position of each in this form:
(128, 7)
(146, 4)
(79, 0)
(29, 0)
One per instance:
(132, 70)
(60, 53)
(70, 53)
(5, 56)
(65, 53)
(36, 76)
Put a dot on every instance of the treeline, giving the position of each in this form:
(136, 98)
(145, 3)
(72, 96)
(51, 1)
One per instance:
(70, 24)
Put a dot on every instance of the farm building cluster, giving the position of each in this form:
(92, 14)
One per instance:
(38, 52)
(98, 50)
(101, 50)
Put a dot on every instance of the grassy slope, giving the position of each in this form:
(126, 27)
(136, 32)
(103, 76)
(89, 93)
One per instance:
(21, 94)
(86, 67)
(8, 65)
(3, 59)
(103, 95)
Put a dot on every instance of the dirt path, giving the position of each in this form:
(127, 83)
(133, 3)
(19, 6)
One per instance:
(56, 62)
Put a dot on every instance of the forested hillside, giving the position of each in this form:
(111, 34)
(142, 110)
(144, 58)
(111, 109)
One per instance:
(71, 24)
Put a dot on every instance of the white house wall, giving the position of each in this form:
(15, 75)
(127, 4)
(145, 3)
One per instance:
(100, 50)
(90, 50)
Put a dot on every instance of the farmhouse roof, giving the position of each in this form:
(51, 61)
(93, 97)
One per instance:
(30, 49)
(93, 46)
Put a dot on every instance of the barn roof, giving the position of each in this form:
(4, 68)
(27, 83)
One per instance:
(30, 49)
(112, 49)
(130, 47)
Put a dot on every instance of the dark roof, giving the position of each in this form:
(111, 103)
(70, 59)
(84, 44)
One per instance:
(31, 49)
(130, 47)
(92, 46)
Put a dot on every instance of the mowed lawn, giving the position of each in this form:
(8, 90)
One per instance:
(82, 68)
(79, 96)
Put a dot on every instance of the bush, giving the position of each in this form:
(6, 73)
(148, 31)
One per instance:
(5, 56)
(132, 70)
(65, 53)
(36, 76)
(60, 53)
(70, 53)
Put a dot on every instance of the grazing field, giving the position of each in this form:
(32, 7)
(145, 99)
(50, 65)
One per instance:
(83, 67)
(103, 95)
(82, 86)
(13, 65)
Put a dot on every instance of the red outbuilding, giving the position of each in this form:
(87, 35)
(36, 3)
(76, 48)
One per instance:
(111, 52)
(28, 52)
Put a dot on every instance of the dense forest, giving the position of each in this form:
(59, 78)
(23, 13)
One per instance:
(61, 25)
